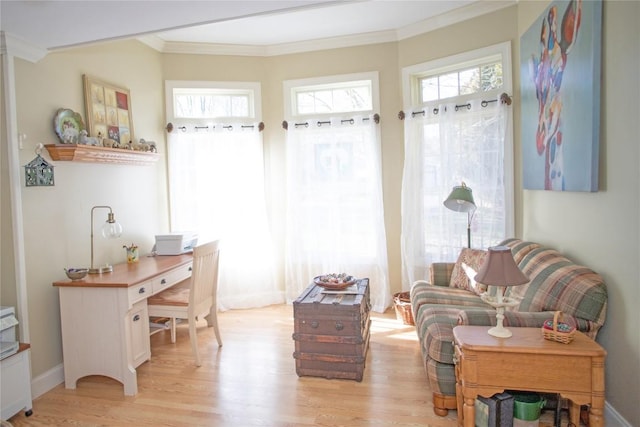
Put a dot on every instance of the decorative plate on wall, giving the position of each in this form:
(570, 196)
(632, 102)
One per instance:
(68, 124)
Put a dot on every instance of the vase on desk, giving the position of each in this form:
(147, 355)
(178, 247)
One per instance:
(132, 254)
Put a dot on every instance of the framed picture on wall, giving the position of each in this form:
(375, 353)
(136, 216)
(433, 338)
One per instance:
(560, 63)
(108, 110)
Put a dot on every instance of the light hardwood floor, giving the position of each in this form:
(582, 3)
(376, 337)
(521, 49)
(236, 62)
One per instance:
(251, 381)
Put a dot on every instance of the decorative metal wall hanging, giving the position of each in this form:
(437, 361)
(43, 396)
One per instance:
(38, 172)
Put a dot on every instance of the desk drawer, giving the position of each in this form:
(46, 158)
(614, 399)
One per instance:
(172, 277)
(139, 292)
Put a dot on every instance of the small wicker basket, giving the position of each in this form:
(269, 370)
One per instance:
(554, 330)
(402, 304)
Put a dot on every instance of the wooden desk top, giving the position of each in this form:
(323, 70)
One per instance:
(524, 340)
(125, 275)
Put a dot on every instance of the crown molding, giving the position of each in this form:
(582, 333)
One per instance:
(332, 43)
(153, 42)
(15, 46)
(458, 15)
(163, 46)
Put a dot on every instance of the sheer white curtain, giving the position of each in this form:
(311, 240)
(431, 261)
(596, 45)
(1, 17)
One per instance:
(445, 146)
(216, 186)
(335, 217)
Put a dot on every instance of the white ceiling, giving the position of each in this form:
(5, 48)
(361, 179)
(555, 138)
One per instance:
(255, 27)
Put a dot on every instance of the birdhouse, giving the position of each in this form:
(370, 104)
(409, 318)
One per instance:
(38, 172)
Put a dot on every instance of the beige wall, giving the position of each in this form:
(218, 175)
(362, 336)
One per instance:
(57, 219)
(597, 229)
(601, 229)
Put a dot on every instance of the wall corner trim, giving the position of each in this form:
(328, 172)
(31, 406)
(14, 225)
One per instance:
(15, 46)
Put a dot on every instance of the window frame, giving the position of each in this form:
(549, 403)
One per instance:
(411, 75)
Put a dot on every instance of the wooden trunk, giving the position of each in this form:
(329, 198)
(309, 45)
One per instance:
(331, 332)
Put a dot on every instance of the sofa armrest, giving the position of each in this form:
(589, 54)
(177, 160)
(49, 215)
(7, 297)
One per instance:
(440, 273)
(479, 317)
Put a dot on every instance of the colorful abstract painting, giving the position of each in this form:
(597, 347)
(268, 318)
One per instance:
(560, 90)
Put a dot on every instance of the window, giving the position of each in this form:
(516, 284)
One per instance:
(335, 220)
(207, 104)
(200, 102)
(332, 96)
(347, 97)
(457, 130)
(483, 77)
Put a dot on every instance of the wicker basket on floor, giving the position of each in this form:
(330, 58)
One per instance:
(554, 330)
(402, 305)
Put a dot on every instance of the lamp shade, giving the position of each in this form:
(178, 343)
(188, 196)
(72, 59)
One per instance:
(500, 269)
(111, 229)
(460, 199)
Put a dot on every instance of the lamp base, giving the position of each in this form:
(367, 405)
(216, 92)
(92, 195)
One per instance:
(499, 303)
(499, 332)
(100, 270)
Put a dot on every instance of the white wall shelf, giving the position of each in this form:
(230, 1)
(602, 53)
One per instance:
(93, 154)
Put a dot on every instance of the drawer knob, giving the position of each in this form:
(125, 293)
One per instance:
(163, 281)
(142, 290)
(136, 317)
(315, 324)
(190, 268)
(339, 326)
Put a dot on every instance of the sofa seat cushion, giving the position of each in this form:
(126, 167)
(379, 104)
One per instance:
(478, 317)
(424, 293)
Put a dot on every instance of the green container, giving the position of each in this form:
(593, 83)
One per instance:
(527, 406)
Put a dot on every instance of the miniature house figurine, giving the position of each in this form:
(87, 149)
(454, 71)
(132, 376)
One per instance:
(38, 172)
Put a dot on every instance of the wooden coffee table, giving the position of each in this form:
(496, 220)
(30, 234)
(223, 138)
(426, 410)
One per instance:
(486, 365)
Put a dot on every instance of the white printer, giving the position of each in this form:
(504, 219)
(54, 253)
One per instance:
(176, 243)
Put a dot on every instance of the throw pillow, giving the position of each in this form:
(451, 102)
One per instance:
(465, 270)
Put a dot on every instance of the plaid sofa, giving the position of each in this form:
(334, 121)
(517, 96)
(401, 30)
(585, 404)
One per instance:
(450, 298)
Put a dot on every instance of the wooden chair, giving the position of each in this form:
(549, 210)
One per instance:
(194, 297)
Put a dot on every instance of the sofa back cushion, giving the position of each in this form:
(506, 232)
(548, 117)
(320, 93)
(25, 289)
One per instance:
(558, 284)
(519, 248)
(465, 269)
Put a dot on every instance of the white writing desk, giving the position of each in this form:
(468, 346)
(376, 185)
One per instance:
(105, 322)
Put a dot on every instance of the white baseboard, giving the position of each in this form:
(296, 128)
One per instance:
(612, 418)
(54, 376)
(45, 382)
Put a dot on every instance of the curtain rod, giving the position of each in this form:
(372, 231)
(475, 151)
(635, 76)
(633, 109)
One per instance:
(169, 128)
(504, 99)
(320, 123)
